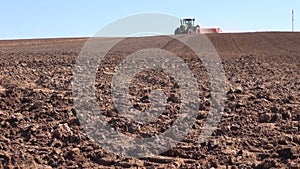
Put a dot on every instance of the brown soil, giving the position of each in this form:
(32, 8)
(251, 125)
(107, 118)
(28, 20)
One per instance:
(259, 127)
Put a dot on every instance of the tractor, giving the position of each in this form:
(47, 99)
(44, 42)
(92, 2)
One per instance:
(187, 26)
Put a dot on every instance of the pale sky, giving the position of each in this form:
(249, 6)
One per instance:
(70, 18)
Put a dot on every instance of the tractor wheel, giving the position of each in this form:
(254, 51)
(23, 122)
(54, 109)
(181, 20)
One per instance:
(177, 31)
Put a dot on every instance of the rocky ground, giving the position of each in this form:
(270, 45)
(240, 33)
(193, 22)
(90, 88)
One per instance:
(259, 127)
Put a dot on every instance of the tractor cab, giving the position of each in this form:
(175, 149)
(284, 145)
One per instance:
(189, 22)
